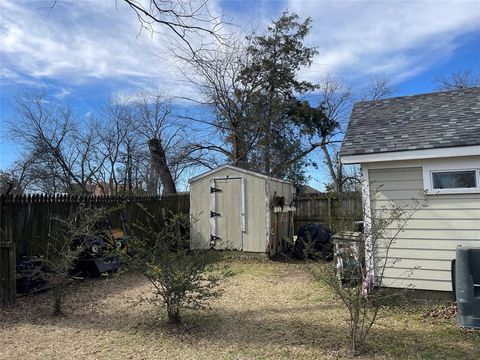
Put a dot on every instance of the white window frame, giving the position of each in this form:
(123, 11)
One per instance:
(450, 166)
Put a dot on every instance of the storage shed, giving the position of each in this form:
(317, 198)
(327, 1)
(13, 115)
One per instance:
(423, 148)
(238, 209)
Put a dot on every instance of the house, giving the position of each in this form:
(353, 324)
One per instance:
(427, 148)
(238, 209)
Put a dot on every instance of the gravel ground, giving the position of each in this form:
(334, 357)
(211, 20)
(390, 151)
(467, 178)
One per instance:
(270, 310)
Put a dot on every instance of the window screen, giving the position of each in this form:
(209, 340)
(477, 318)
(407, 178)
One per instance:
(454, 179)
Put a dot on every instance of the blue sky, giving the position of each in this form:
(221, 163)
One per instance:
(84, 52)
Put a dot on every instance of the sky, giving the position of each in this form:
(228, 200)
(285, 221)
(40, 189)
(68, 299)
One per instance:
(86, 51)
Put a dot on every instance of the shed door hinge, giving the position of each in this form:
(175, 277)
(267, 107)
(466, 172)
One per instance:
(213, 214)
(214, 190)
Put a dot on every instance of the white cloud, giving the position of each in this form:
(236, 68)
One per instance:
(8, 74)
(83, 41)
(62, 93)
(397, 38)
(78, 42)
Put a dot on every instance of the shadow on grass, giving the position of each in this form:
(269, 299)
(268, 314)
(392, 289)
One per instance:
(80, 295)
(112, 305)
(276, 327)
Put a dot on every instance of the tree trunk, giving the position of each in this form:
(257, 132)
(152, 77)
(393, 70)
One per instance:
(152, 180)
(57, 299)
(159, 162)
(129, 183)
(173, 311)
(266, 149)
(239, 150)
(331, 168)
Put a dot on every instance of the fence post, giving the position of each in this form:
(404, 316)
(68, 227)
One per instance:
(8, 276)
(8, 285)
(329, 211)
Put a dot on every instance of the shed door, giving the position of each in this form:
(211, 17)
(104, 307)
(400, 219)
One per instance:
(228, 212)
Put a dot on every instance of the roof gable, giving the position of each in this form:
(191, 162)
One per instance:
(234, 168)
(426, 121)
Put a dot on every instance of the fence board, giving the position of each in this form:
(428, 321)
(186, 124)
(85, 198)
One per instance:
(7, 257)
(27, 222)
(334, 211)
(7, 273)
(31, 222)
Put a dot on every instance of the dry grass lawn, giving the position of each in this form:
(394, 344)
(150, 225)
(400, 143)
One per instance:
(270, 310)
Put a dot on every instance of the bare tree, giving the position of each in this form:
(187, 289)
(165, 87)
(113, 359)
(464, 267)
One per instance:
(135, 145)
(250, 86)
(336, 98)
(10, 183)
(55, 143)
(459, 79)
(121, 146)
(379, 87)
(190, 21)
(232, 131)
(141, 143)
(157, 126)
(37, 172)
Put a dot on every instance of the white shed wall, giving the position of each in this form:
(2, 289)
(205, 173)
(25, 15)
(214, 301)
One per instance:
(254, 237)
(428, 243)
(282, 189)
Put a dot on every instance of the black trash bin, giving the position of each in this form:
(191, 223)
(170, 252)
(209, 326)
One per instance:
(467, 286)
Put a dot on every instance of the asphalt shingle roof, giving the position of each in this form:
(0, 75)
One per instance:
(426, 121)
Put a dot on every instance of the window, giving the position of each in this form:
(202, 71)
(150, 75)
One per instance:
(451, 176)
(454, 179)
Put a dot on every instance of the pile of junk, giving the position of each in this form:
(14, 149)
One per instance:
(97, 256)
(317, 241)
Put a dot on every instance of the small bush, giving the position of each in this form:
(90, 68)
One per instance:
(181, 278)
(358, 284)
(63, 249)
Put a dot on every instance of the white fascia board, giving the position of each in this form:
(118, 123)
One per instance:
(234, 168)
(412, 154)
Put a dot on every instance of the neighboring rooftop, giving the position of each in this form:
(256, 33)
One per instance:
(426, 121)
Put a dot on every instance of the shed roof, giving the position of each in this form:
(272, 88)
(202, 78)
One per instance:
(231, 167)
(418, 122)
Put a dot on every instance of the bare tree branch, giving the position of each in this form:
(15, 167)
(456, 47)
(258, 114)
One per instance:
(459, 79)
(189, 20)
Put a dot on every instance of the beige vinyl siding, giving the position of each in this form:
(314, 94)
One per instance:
(424, 250)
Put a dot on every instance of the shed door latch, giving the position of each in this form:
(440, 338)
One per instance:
(214, 190)
(213, 240)
(213, 214)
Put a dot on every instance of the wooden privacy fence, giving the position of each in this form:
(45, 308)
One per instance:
(336, 211)
(27, 222)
